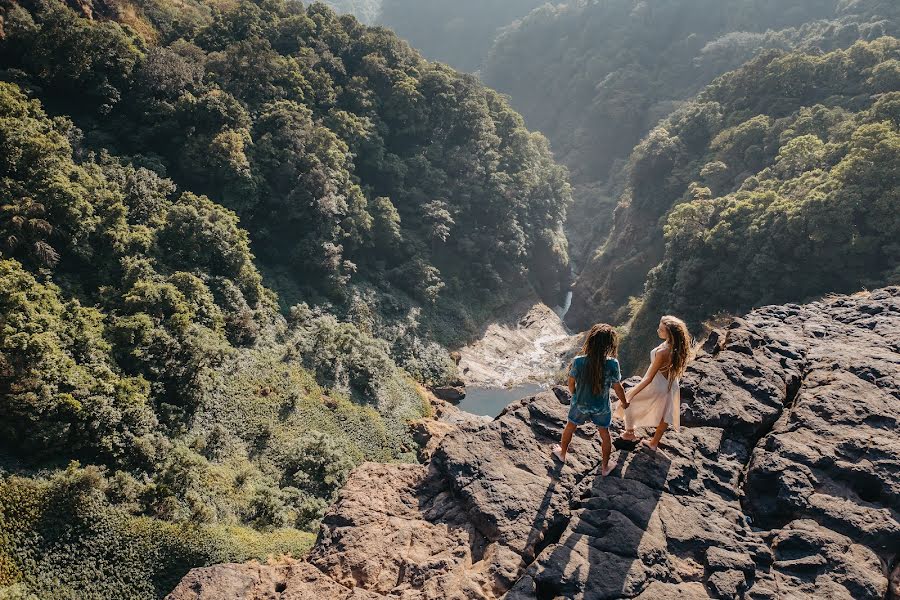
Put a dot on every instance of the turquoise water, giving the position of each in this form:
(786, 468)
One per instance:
(490, 401)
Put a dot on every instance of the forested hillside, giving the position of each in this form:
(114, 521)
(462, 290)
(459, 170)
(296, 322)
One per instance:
(238, 238)
(596, 75)
(778, 183)
(170, 397)
(348, 159)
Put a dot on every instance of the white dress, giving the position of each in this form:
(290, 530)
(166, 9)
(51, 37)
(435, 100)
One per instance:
(655, 404)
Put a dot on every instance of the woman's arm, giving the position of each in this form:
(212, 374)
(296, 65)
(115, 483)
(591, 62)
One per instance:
(620, 392)
(574, 369)
(659, 360)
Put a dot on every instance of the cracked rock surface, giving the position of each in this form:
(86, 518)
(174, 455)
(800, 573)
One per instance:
(784, 482)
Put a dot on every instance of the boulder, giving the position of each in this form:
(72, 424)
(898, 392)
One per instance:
(428, 434)
(529, 343)
(286, 579)
(449, 393)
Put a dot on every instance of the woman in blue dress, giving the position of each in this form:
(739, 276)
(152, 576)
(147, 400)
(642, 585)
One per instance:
(593, 373)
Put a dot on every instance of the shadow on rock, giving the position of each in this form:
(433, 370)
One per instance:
(599, 554)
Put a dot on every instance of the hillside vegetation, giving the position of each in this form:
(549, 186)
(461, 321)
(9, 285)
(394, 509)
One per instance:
(161, 406)
(778, 183)
(597, 75)
(358, 169)
(238, 238)
(366, 11)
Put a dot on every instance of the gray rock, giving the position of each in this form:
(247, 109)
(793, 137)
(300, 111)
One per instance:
(718, 559)
(449, 393)
(783, 483)
(729, 585)
(814, 562)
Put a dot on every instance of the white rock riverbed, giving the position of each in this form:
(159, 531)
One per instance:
(529, 347)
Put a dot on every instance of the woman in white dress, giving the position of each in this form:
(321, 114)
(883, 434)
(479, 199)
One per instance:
(656, 400)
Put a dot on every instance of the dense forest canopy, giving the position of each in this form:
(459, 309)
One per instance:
(170, 397)
(778, 183)
(138, 340)
(348, 158)
(595, 76)
(237, 239)
(366, 11)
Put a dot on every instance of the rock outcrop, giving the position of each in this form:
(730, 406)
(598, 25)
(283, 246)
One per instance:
(783, 483)
(450, 393)
(528, 346)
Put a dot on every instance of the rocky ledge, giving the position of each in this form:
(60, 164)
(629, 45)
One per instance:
(783, 483)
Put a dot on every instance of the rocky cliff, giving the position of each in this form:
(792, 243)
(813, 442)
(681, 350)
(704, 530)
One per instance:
(783, 483)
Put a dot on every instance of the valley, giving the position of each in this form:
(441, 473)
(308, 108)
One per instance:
(287, 291)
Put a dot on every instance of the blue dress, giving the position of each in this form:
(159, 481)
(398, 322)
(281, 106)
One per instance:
(587, 405)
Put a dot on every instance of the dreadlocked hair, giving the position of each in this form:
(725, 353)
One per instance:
(601, 342)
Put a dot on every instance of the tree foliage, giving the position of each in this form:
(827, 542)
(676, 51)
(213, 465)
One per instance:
(597, 76)
(366, 11)
(143, 151)
(300, 121)
(792, 194)
(459, 33)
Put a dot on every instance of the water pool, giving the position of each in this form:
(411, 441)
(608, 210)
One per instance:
(490, 401)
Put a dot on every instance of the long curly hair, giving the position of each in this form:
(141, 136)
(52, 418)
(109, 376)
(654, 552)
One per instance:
(680, 345)
(601, 342)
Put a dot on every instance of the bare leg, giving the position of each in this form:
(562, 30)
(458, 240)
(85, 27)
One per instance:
(629, 427)
(653, 444)
(563, 447)
(606, 466)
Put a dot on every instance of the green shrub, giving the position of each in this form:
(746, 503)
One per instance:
(59, 534)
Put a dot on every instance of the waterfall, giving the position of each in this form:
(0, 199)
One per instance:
(566, 305)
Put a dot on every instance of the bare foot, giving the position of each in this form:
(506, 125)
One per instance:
(649, 445)
(558, 453)
(629, 437)
(610, 465)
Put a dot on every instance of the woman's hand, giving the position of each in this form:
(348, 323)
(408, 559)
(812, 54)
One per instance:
(659, 360)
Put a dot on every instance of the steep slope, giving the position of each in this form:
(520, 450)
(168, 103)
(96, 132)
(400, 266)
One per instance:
(161, 407)
(152, 399)
(784, 483)
(777, 183)
(366, 11)
(596, 76)
(364, 175)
